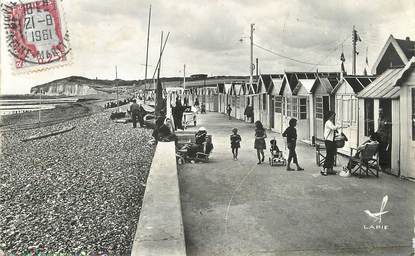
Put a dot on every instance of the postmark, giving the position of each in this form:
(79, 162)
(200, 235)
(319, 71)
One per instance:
(36, 36)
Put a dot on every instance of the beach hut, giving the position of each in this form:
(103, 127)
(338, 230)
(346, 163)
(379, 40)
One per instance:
(262, 101)
(346, 107)
(387, 106)
(242, 101)
(221, 98)
(295, 87)
(406, 84)
(322, 102)
(249, 99)
(395, 53)
(211, 98)
(305, 110)
(276, 93)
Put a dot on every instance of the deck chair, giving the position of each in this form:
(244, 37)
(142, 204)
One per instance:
(321, 155)
(367, 162)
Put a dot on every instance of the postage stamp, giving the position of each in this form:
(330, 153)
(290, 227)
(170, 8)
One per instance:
(36, 35)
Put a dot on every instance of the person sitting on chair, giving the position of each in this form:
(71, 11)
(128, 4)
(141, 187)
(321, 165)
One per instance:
(198, 146)
(166, 132)
(374, 138)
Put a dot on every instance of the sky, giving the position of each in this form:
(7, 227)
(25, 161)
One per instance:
(205, 35)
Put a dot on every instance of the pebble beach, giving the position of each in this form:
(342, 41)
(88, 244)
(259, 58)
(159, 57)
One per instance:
(76, 193)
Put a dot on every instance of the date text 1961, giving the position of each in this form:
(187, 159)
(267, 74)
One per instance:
(34, 33)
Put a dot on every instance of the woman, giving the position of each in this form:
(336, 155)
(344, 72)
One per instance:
(259, 145)
(166, 131)
(291, 134)
(375, 138)
(329, 133)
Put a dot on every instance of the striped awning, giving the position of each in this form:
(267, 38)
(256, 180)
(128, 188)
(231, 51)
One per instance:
(384, 86)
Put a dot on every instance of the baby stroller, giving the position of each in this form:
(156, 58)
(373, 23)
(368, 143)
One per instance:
(277, 157)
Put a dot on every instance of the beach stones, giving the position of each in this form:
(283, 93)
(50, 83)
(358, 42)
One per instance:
(77, 191)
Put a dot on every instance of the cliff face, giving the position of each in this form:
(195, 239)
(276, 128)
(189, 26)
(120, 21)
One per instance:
(74, 86)
(67, 90)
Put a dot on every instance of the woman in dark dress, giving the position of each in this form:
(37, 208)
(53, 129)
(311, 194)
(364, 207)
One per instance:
(291, 134)
(259, 145)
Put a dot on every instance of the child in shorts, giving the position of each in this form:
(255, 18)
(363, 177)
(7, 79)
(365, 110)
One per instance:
(235, 143)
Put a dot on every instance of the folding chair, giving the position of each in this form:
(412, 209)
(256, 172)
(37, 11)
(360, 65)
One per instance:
(320, 157)
(367, 161)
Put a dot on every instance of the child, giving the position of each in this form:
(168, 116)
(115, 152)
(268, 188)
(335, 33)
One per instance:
(235, 143)
(291, 134)
(229, 110)
(259, 143)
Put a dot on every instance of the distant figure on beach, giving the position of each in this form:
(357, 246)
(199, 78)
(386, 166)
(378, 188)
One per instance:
(291, 134)
(159, 122)
(177, 113)
(249, 113)
(259, 145)
(141, 114)
(229, 110)
(196, 105)
(135, 113)
(166, 132)
(235, 143)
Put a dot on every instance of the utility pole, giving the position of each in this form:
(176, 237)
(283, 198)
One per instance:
(40, 104)
(159, 87)
(354, 40)
(116, 85)
(257, 68)
(251, 69)
(148, 40)
(184, 77)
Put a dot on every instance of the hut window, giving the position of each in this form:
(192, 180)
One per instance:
(346, 110)
(353, 112)
(289, 104)
(319, 107)
(303, 108)
(339, 106)
(295, 107)
(278, 104)
(413, 113)
(264, 101)
(369, 117)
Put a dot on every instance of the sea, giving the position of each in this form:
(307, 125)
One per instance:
(10, 105)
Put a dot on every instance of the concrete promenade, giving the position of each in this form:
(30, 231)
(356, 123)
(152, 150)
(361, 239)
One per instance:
(241, 208)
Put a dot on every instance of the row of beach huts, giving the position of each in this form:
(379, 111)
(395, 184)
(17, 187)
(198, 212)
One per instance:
(383, 102)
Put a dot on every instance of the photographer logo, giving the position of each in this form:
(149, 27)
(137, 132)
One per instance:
(377, 217)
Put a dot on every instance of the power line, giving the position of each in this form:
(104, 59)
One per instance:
(292, 59)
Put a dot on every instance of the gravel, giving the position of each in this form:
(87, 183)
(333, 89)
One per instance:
(80, 191)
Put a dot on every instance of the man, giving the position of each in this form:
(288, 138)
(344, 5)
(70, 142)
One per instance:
(141, 114)
(135, 112)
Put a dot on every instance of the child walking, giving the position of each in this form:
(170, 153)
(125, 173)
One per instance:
(229, 110)
(291, 134)
(235, 143)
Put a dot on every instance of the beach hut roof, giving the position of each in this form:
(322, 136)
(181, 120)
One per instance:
(306, 83)
(405, 48)
(387, 84)
(357, 83)
(292, 78)
(228, 88)
(329, 83)
(236, 88)
(277, 85)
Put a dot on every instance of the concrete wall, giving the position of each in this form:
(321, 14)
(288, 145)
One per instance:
(160, 227)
